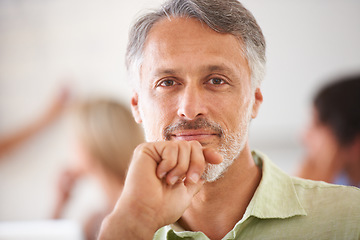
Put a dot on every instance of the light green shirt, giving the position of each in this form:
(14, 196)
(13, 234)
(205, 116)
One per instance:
(285, 207)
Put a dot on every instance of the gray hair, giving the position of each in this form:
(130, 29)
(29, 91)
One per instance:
(223, 16)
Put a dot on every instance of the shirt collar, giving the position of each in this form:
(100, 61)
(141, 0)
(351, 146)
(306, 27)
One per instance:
(276, 196)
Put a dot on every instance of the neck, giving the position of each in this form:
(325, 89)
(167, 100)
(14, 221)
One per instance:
(232, 193)
(353, 171)
(352, 167)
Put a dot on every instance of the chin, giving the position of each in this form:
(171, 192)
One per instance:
(214, 172)
(230, 151)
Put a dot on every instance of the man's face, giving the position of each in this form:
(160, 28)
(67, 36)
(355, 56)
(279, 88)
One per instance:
(195, 85)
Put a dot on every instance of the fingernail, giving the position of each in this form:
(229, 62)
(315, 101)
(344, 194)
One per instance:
(173, 180)
(194, 177)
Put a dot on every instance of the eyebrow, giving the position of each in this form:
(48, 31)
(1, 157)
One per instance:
(162, 72)
(214, 68)
(207, 68)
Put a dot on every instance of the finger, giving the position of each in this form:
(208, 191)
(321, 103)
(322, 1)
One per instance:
(197, 162)
(211, 156)
(194, 188)
(168, 152)
(182, 165)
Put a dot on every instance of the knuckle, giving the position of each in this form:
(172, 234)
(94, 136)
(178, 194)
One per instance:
(195, 144)
(197, 162)
(181, 167)
(140, 148)
(184, 146)
(197, 165)
(169, 163)
(172, 144)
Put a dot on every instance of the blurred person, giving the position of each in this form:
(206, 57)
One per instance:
(13, 140)
(106, 135)
(196, 67)
(332, 139)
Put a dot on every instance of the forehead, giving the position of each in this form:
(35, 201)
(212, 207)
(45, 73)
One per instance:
(170, 41)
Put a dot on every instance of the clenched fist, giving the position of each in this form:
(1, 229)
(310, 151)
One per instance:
(163, 178)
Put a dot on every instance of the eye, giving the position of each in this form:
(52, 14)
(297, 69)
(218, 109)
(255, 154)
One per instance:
(166, 83)
(216, 81)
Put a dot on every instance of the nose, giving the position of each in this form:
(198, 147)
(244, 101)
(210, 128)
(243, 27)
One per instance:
(191, 103)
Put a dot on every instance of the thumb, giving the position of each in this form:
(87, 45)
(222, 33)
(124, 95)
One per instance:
(211, 156)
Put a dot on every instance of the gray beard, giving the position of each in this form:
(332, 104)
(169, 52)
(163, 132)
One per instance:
(229, 150)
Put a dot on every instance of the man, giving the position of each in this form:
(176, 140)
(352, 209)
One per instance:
(332, 139)
(197, 66)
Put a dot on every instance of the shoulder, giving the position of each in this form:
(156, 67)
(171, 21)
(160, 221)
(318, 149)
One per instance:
(336, 201)
(332, 211)
(321, 189)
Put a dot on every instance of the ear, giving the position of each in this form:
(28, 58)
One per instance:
(135, 107)
(258, 100)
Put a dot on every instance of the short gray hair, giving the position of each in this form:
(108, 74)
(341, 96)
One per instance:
(223, 16)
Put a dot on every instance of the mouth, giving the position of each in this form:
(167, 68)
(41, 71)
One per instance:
(190, 135)
(201, 130)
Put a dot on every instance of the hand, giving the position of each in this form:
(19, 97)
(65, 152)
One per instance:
(18, 137)
(163, 178)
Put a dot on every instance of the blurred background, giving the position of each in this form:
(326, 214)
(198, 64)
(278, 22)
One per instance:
(46, 45)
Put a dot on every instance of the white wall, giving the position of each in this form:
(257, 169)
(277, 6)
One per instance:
(44, 42)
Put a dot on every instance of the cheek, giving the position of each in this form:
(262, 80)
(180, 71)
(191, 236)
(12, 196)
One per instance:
(156, 114)
(307, 137)
(237, 113)
(320, 142)
(314, 140)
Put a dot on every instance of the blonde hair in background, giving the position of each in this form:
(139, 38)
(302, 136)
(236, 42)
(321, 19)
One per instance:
(108, 132)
